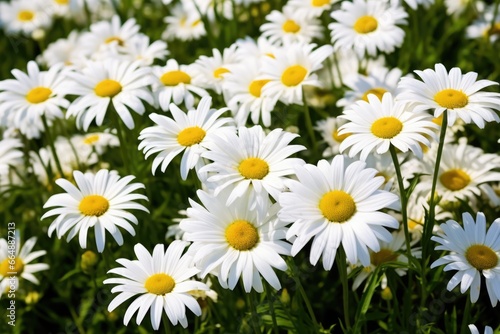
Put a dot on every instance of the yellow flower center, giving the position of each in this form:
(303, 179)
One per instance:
(253, 168)
(108, 88)
(25, 15)
(173, 78)
(91, 139)
(481, 257)
(337, 206)
(379, 92)
(190, 136)
(438, 120)
(339, 138)
(387, 127)
(291, 26)
(293, 75)
(384, 175)
(219, 72)
(365, 24)
(412, 224)
(451, 98)
(116, 39)
(159, 284)
(38, 95)
(242, 235)
(255, 87)
(7, 267)
(319, 3)
(382, 256)
(62, 2)
(455, 179)
(93, 205)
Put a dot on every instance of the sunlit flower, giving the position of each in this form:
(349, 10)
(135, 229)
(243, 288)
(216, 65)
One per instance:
(453, 92)
(474, 253)
(337, 203)
(232, 241)
(15, 261)
(160, 282)
(98, 200)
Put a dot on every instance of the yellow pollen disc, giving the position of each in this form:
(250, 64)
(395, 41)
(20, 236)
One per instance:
(108, 88)
(116, 39)
(481, 257)
(438, 120)
(159, 284)
(38, 95)
(379, 92)
(219, 72)
(451, 98)
(319, 3)
(93, 205)
(62, 2)
(190, 136)
(255, 87)
(290, 26)
(413, 224)
(25, 15)
(366, 24)
(386, 127)
(454, 179)
(293, 75)
(339, 138)
(195, 23)
(385, 176)
(8, 267)
(242, 235)
(253, 168)
(337, 206)
(382, 256)
(173, 78)
(91, 139)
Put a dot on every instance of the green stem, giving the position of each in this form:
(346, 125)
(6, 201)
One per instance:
(166, 323)
(303, 293)
(52, 146)
(251, 303)
(465, 319)
(268, 290)
(342, 266)
(123, 145)
(309, 126)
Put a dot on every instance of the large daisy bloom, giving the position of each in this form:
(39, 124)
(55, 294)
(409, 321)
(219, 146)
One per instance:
(252, 162)
(24, 16)
(122, 84)
(98, 200)
(337, 203)
(15, 261)
(291, 69)
(233, 241)
(367, 26)
(375, 125)
(161, 282)
(29, 96)
(189, 132)
(475, 252)
(458, 94)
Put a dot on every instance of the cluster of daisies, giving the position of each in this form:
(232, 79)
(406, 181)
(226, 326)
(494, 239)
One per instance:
(261, 199)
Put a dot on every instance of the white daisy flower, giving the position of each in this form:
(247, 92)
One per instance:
(160, 282)
(96, 141)
(415, 3)
(184, 23)
(28, 97)
(453, 92)
(253, 162)
(256, 49)
(378, 124)
(462, 169)
(24, 16)
(329, 129)
(457, 7)
(232, 241)
(337, 203)
(367, 26)
(191, 133)
(475, 252)
(311, 8)
(473, 329)
(483, 28)
(120, 83)
(378, 81)
(244, 94)
(98, 200)
(291, 69)
(176, 83)
(59, 8)
(139, 48)
(64, 50)
(290, 26)
(15, 261)
(10, 155)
